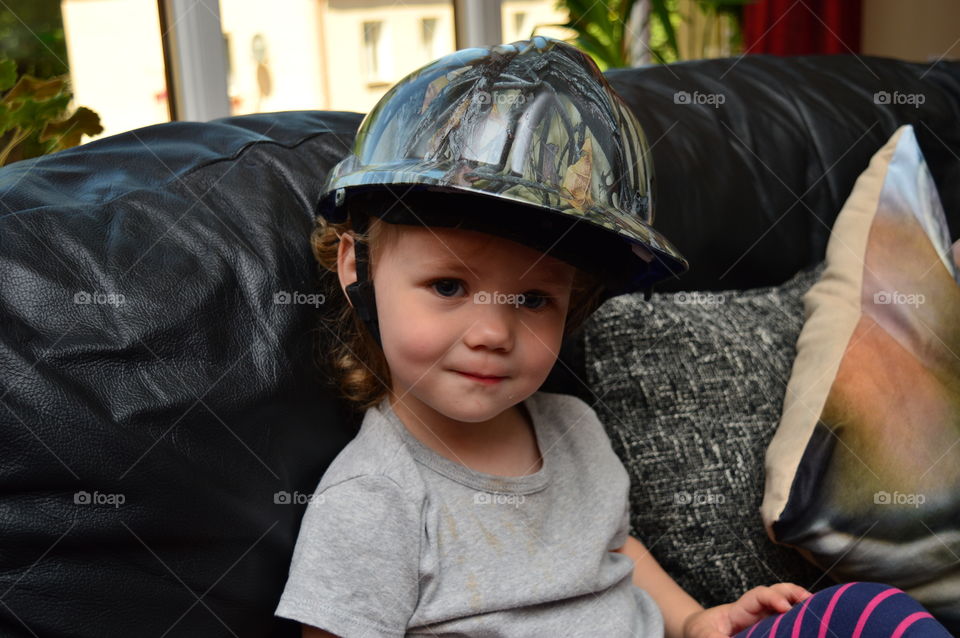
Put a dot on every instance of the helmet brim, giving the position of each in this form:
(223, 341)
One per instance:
(591, 241)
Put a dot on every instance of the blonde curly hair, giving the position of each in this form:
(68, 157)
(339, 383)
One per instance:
(356, 361)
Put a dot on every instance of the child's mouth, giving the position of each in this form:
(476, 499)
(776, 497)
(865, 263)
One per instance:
(481, 379)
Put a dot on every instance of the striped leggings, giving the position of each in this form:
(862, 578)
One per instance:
(852, 610)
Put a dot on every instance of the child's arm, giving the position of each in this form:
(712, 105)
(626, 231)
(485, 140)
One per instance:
(675, 604)
(683, 617)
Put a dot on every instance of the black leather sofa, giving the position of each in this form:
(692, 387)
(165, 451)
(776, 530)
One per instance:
(164, 409)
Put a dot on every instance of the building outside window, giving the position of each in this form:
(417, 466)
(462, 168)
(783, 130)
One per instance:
(428, 38)
(310, 54)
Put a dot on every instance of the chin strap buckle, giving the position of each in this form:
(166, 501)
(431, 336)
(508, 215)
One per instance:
(364, 302)
(360, 292)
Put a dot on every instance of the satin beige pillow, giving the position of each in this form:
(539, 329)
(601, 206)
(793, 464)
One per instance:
(863, 474)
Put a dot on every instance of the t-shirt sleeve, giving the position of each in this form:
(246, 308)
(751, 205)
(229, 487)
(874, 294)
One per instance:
(355, 566)
(623, 529)
(614, 471)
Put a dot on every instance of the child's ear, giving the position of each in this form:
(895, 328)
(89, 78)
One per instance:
(346, 262)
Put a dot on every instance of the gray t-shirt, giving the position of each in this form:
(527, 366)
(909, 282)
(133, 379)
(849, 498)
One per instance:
(398, 540)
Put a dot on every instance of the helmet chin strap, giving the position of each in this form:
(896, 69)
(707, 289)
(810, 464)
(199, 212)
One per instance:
(360, 292)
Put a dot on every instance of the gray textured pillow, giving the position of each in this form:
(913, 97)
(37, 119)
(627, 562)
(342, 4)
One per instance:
(690, 387)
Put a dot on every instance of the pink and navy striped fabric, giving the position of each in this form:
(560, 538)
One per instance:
(854, 610)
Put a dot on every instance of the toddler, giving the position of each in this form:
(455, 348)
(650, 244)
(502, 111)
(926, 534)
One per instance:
(496, 198)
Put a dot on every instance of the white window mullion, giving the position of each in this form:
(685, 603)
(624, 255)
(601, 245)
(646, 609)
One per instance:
(198, 57)
(478, 23)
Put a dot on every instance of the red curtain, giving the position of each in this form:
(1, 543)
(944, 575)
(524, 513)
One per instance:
(799, 27)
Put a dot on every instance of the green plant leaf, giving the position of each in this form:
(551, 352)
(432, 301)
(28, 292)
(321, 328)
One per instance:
(601, 27)
(31, 115)
(6, 122)
(30, 87)
(67, 133)
(732, 8)
(589, 43)
(8, 74)
(625, 9)
(611, 51)
(661, 11)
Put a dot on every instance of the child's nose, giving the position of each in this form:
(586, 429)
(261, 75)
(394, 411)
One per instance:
(492, 326)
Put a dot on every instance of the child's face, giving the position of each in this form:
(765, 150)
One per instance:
(453, 301)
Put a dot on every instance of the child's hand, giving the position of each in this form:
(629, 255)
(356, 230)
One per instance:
(726, 620)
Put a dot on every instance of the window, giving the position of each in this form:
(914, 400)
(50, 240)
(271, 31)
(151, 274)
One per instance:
(363, 60)
(518, 18)
(296, 54)
(428, 38)
(116, 61)
(372, 50)
(331, 55)
(275, 55)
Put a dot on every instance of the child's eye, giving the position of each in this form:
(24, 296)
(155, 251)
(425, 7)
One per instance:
(539, 299)
(446, 287)
(532, 300)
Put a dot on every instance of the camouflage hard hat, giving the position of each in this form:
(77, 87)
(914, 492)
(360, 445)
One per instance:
(526, 137)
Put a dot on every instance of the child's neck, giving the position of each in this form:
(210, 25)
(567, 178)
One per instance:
(505, 445)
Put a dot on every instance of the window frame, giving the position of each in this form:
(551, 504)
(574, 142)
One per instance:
(192, 30)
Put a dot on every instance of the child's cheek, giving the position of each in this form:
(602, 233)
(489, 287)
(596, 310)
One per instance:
(543, 355)
(414, 342)
(424, 345)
